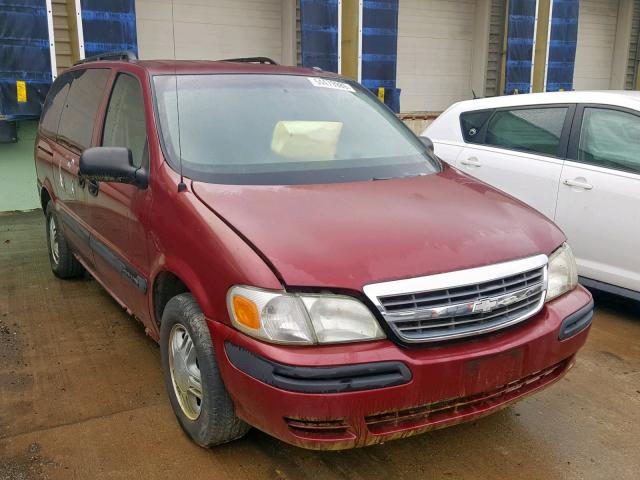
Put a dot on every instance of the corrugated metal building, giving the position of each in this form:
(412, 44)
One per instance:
(441, 51)
(600, 25)
(447, 50)
(206, 29)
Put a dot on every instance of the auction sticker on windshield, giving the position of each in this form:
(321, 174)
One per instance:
(325, 83)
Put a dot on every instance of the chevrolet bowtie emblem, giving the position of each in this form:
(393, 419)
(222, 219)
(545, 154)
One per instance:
(484, 306)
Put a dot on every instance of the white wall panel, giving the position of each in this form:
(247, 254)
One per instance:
(435, 47)
(210, 29)
(597, 22)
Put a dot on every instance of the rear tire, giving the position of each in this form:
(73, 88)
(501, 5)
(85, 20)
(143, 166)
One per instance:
(63, 263)
(198, 396)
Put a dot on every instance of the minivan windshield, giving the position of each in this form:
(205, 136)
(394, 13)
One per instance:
(282, 129)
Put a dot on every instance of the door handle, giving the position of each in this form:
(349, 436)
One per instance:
(471, 162)
(93, 187)
(578, 184)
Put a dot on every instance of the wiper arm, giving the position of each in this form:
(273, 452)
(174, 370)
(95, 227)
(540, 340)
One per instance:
(375, 179)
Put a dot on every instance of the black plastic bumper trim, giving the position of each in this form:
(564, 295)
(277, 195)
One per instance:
(345, 378)
(576, 322)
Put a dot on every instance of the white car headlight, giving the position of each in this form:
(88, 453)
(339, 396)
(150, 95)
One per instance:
(562, 273)
(300, 319)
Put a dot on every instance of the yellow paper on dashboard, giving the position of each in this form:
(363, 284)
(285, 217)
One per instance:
(306, 140)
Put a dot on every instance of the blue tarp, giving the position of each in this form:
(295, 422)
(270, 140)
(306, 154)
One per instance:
(380, 49)
(319, 34)
(108, 26)
(24, 50)
(319, 38)
(520, 32)
(562, 45)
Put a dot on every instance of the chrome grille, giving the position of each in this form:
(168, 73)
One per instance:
(463, 303)
(451, 296)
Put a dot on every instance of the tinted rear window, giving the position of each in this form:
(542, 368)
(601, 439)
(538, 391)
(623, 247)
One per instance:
(54, 103)
(81, 109)
(535, 130)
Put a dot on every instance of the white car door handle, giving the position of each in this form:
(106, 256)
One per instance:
(471, 162)
(578, 184)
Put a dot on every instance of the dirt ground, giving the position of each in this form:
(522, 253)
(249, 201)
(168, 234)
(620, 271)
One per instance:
(81, 397)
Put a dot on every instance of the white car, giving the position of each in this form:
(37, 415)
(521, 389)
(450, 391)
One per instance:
(574, 156)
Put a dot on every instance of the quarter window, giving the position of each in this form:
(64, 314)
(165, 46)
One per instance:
(125, 125)
(611, 139)
(472, 123)
(80, 111)
(536, 130)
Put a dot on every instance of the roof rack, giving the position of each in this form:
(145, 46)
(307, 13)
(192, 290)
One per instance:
(126, 55)
(262, 60)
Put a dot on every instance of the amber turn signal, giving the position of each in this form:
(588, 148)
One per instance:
(246, 312)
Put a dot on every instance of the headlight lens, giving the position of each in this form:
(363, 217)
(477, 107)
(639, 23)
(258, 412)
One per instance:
(562, 272)
(301, 319)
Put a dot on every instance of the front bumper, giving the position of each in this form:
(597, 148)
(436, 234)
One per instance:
(448, 383)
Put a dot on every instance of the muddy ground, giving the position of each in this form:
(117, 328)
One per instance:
(81, 397)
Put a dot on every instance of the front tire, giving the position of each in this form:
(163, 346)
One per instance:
(198, 396)
(63, 263)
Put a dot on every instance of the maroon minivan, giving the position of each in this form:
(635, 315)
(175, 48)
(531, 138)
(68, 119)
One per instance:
(306, 264)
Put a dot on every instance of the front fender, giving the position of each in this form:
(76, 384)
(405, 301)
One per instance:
(194, 244)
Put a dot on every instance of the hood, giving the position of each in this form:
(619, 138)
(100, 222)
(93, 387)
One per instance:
(346, 235)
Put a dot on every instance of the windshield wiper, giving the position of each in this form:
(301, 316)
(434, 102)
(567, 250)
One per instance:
(375, 179)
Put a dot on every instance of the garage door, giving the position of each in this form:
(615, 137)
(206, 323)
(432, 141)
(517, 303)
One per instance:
(210, 29)
(435, 39)
(596, 37)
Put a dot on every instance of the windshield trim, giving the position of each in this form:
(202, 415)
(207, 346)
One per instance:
(434, 161)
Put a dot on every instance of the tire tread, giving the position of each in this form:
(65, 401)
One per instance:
(68, 265)
(217, 422)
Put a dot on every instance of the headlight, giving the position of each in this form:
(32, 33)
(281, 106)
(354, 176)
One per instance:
(562, 272)
(303, 319)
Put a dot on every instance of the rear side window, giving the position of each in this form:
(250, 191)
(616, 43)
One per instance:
(54, 103)
(535, 130)
(124, 125)
(81, 109)
(611, 139)
(472, 123)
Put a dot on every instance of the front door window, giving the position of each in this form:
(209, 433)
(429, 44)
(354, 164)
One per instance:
(610, 139)
(124, 125)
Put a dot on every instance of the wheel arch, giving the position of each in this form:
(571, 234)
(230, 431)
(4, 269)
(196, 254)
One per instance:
(45, 197)
(166, 285)
(172, 279)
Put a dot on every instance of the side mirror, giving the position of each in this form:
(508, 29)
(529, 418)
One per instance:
(112, 164)
(426, 141)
